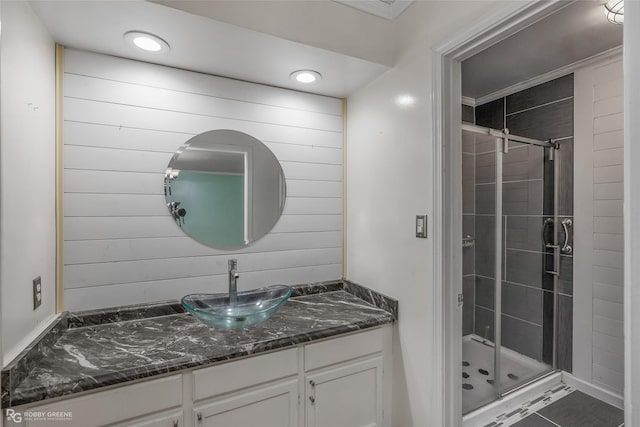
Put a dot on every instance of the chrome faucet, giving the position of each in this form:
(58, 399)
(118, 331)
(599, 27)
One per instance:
(233, 281)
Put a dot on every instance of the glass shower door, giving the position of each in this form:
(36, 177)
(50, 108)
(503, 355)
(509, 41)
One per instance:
(509, 245)
(479, 160)
(528, 271)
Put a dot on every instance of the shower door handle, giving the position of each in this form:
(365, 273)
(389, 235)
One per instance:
(566, 225)
(556, 259)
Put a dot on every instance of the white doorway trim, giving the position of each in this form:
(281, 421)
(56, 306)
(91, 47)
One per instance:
(631, 54)
(447, 190)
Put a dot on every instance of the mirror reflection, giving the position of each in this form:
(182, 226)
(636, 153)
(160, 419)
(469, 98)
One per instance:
(225, 188)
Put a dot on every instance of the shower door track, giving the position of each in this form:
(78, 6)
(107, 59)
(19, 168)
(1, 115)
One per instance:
(504, 134)
(527, 383)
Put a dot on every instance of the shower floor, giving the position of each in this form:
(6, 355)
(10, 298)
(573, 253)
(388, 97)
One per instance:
(477, 371)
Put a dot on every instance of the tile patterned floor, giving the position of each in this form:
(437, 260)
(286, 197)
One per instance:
(581, 410)
(562, 406)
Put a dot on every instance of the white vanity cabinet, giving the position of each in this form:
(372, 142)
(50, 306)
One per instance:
(348, 396)
(344, 381)
(334, 382)
(120, 406)
(255, 391)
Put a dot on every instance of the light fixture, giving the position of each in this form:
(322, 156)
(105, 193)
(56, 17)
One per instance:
(147, 42)
(615, 11)
(305, 76)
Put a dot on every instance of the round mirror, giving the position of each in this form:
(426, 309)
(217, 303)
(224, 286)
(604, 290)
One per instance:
(225, 188)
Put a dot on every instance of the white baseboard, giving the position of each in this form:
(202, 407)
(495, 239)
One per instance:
(593, 390)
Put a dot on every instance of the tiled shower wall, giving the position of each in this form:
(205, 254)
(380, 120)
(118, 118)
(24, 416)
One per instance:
(542, 112)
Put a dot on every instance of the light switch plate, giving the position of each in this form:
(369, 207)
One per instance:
(421, 226)
(37, 292)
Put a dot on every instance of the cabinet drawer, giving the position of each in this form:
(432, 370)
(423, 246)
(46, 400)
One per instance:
(243, 373)
(172, 419)
(116, 405)
(341, 349)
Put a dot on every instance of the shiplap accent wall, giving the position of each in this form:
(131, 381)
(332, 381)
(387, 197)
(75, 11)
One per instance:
(124, 119)
(599, 236)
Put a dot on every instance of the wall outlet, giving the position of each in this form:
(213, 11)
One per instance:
(37, 292)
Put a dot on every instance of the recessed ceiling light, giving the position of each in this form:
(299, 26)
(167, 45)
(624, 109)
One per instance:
(305, 76)
(147, 42)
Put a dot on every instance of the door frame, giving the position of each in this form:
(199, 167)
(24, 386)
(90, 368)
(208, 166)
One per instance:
(447, 190)
(631, 53)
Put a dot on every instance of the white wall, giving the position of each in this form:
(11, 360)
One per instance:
(27, 164)
(123, 121)
(598, 350)
(389, 181)
(632, 212)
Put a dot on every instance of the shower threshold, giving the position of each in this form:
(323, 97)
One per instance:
(513, 401)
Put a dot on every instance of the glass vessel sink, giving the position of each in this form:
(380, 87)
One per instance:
(251, 307)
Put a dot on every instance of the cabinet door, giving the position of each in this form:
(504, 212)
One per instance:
(348, 396)
(173, 419)
(274, 405)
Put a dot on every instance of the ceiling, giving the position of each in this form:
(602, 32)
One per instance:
(324, 24)
(574, 33)
(202, 44)
(388, 9)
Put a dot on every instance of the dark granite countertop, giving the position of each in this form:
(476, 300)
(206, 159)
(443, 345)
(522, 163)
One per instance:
(89, 350)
